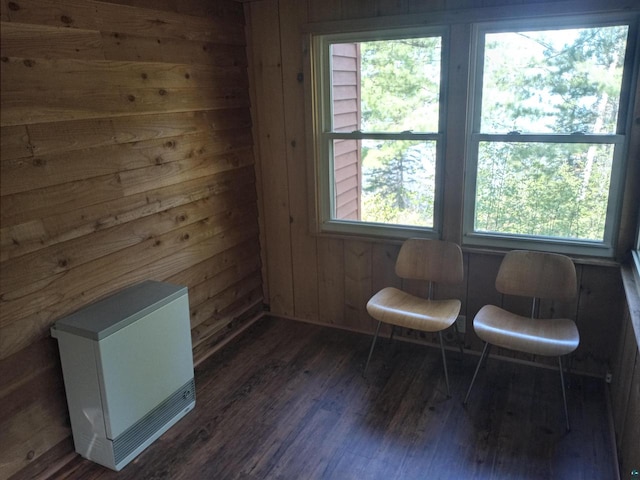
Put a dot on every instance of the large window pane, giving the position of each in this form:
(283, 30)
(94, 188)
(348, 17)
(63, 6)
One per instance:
(397, 183)
(543, 189)
(384, 129)
(386, 85)
(553, 81)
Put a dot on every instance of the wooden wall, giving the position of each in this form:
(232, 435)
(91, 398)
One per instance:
(127, 154)
(625, 387)
(329, 279)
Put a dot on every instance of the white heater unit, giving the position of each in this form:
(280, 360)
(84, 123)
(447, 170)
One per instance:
(128, 370)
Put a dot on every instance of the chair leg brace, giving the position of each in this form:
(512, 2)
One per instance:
(484, 353)
(373, 344)
(564, 394)
(444, 362)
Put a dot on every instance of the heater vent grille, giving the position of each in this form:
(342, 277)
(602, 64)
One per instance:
(149, 425)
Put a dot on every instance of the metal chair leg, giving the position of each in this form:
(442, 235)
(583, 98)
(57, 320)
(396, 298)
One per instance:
(564, 395)
(444, 362)
(484, 352)
(460, 343)
(373, 344)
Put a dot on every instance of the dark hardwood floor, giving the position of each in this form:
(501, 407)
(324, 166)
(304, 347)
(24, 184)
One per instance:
(287, 400)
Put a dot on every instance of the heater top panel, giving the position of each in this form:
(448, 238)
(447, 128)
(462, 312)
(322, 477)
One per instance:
(111, 314)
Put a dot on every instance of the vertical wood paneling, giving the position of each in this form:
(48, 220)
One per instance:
(126, 155)
(357, 283)
(630, 440)
(481, 290)
(625, 385)
(303, 246)
(622, 371)
(456, 114)
(599, 318)
(331, 282)
(269, 112)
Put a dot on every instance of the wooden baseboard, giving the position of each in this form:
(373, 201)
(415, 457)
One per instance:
(229, 338)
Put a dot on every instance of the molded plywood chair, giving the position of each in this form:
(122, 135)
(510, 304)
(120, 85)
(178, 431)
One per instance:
(540, 276)
(435, 261)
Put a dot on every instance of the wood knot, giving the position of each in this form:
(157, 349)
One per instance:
(39, 162)
(31, 455)
(187, 76)
(181, 218)
(185, 237)
(170, 144)
(66, 20)
(144, 76)
(29, 63)
(13, 6)
(131, 98)
(162, 92)
(157, 243)
(63, 263)
(4, 59)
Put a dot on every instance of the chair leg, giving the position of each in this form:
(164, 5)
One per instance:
(460, 343)
(373, 344)
(484, 353)
(444, 362)
(393, 330)
(564, 394)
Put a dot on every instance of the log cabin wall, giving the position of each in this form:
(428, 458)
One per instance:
(126, 155)
(328, 279)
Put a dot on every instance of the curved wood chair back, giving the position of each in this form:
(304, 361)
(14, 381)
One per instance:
(537, 275)
(433, 260)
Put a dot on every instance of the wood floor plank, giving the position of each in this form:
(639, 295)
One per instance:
(287, 400)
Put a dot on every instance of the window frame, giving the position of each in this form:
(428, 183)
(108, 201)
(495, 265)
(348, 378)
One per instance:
(458, 60)
(323, 136)
(619, 140)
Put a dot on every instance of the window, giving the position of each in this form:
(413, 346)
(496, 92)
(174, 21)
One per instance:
(544, 124)
(547, 137)
(380, 115)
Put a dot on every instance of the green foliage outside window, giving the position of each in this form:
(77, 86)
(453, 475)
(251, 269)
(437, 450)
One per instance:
(565, 82)
(400, 91)
(548, 82)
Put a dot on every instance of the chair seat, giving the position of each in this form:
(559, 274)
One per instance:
(396, 307)
(551, 337)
